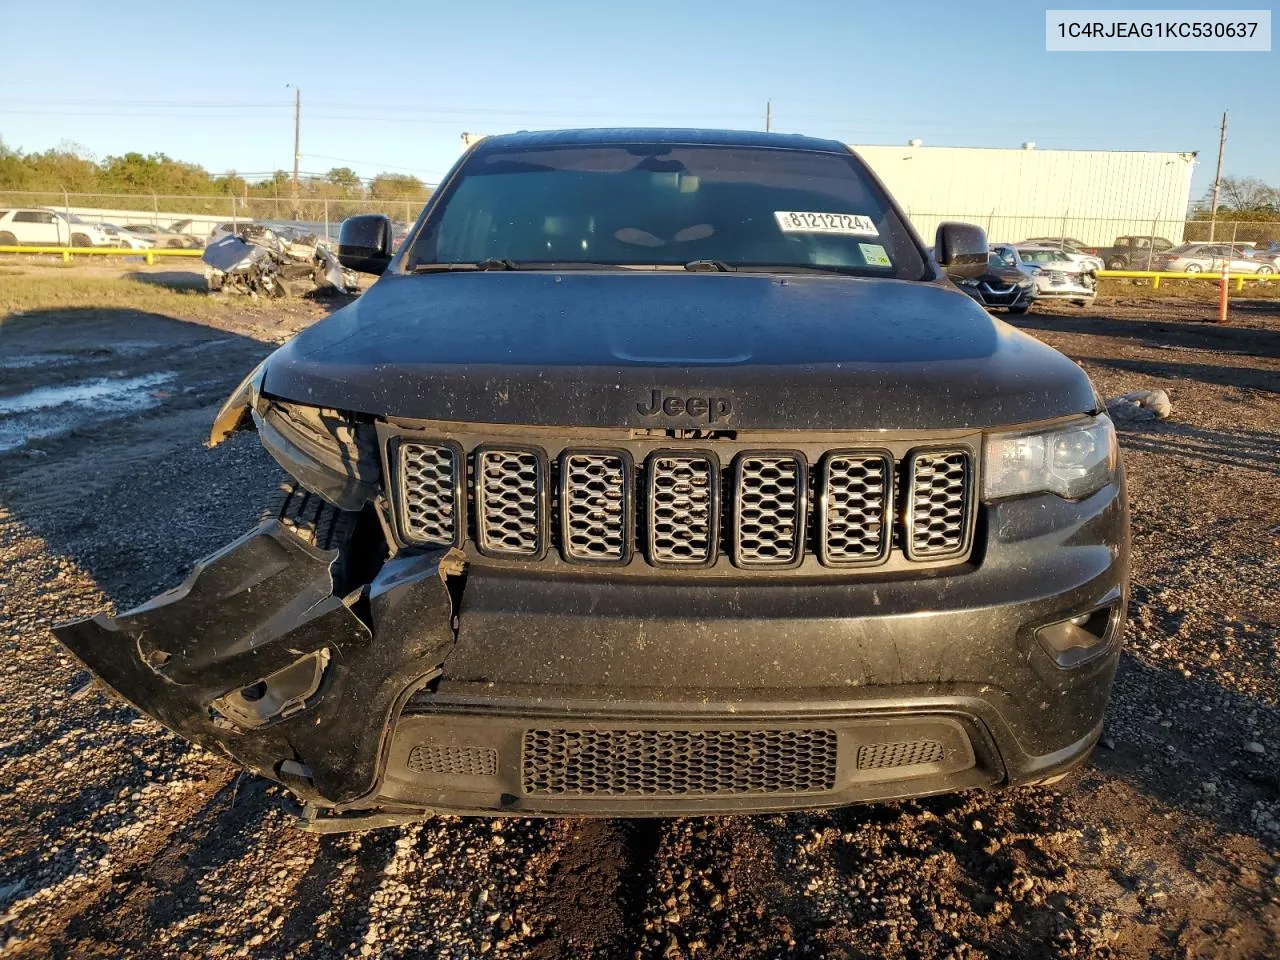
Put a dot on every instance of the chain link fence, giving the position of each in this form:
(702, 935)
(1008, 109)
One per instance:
(1100, 233)
(205, 213)
(323, 214)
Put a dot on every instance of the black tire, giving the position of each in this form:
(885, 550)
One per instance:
(80, 240)
(7, 239)
(310, 518)
(358, 537)
(1265, 269)
(1117, 263)
(173, 244)
(1020, 308)
(1192, 268)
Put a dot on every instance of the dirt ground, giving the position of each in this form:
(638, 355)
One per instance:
(118, 839)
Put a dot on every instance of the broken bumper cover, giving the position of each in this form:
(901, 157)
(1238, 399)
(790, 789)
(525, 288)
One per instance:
(558, 694)
(257, 618)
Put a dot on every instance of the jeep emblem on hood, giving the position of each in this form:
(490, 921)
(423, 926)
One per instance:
(712, 409)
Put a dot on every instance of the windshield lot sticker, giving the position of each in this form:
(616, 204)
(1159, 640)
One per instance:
(874, 256)
(847, 224)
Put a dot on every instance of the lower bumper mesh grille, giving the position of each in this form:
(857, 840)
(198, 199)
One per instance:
(884, 756)
(642, 763)
(453, 760)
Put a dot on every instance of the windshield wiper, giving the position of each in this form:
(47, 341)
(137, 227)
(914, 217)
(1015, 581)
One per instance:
(709, 266)
(489, 263)
(841, 269)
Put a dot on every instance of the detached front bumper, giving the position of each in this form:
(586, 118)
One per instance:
(533, 692)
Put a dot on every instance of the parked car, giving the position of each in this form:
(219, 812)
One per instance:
(37, 227)
(1074, 254)
(163, 237)
(1268, 251)
(1210, 258)
(1133, 253)
(1002, 285)
(120, 237)
(696, 488)
(1059, 275)
(1064, 243)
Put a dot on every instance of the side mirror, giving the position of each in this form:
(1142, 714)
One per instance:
(364, 243)
(961, 249)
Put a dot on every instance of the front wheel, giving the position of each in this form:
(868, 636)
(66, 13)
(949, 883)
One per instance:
(8, 239)
(1192, 268)
(80, 240)
(1116, 263)
(1266, 269)
(356, 536)
(311, 518)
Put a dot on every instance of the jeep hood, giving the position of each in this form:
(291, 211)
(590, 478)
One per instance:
(591, 348)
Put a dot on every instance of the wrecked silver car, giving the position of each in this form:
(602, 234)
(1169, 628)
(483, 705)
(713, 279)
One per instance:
(276, 260)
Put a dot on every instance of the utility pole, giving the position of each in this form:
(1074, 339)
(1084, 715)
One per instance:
(768, 115)
(297, 145)
(1217, 180)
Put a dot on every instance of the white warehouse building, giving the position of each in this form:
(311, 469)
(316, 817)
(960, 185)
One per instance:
(1089, 195)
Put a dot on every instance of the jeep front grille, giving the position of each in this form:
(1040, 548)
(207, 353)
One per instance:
(684, 509)
(429, 487)
(763, 509)
(509, 502)
(647, 763)
(594, 507)
(937, 503)
(857, 493)
(769, 496)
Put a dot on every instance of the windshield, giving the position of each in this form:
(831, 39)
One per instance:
(659, 205)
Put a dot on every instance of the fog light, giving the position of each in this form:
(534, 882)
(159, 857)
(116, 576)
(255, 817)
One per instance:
(1079, 639)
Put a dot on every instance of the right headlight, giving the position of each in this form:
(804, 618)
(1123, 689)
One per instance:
(1072, 460)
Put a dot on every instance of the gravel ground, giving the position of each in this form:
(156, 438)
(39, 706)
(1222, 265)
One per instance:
(117, 839)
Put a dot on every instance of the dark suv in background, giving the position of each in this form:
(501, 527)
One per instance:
(660, 472)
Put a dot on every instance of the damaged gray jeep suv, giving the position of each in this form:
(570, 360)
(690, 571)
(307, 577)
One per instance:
(661, 472)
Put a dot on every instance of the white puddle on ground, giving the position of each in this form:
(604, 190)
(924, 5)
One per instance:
(112, 351)
(49, 411)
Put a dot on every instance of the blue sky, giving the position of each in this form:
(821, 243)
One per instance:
(392, 86)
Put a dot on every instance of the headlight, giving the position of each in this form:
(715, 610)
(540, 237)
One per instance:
(1072, 461)
(236, 410)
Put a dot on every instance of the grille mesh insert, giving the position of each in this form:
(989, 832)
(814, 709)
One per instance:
(645, 763)
(594, 506)
(770, 501)
(937, 503)
(681, 503)
(509, 502)
(453, 760)
(853, 516)
(429, 475)
(582, 503)
(884, 756)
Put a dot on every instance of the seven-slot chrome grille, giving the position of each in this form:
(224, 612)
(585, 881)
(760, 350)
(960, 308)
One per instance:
(766, 509)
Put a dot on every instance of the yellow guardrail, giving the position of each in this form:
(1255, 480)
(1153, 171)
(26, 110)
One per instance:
(1155, 276)
(68, 252)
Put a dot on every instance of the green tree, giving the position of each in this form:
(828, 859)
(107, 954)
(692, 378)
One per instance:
(397, 186)
(345, 179)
